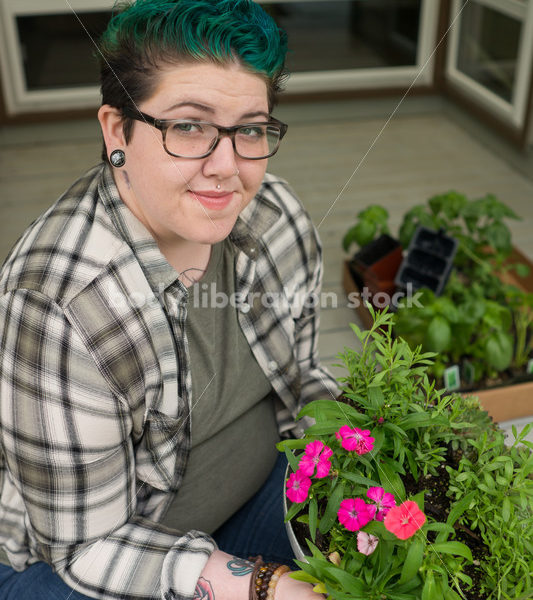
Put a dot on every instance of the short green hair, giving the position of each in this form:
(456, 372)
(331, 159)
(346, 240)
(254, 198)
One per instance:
(146, 35)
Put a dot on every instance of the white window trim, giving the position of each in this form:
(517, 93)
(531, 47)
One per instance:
(420, 74)
(513, 113)
(19, 100)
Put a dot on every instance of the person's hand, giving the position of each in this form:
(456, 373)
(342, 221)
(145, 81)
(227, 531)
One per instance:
(292, 589)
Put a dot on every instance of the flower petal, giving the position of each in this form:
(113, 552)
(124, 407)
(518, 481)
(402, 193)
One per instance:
(366, 542)
(404, 520)
(298, 486)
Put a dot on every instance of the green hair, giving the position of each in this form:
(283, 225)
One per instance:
(148, 34)
(201, 29)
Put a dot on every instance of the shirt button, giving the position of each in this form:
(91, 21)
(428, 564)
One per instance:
(245, 308)
(273, 366)
(252, 250)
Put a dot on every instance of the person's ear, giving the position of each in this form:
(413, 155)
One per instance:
(111, 122)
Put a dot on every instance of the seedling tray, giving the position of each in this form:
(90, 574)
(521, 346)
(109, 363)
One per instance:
(428, 261)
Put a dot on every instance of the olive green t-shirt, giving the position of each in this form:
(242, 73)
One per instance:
(234, 429)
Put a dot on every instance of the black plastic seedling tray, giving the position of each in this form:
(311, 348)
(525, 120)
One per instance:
(428, 261)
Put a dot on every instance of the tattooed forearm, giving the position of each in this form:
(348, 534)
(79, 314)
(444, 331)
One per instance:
(204, 590)
(240, 567)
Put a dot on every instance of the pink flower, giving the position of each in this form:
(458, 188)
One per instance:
(384, 502)
(366, 542)
(298, 486)
(316, 455)
(354, 514)
(404, 520)
(356, 439)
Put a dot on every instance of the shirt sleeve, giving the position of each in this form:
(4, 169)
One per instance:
(69, 450)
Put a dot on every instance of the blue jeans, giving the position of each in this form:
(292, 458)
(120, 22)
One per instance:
(256, 528)
(37, 582)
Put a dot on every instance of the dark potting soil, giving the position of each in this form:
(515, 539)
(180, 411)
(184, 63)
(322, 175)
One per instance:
(437, 505)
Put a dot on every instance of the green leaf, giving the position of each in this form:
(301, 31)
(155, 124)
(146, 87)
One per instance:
(303, 576)
(499, 350)
(350, 584)
(293, 461)
(429, 591)
(313, 517)
(438, 336)
(292, 443)
(294, 509)
(360, 479)
(506, 509)
(413, 560)
(319, 429)
(376, 397)
(376, 213)
(390, 480)
(331, 409)
(349, 238)
(415, 420)
(364, 232)
(457, 548)
(498, 236)
(330, 514)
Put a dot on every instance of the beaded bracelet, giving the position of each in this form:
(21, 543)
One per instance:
(264, 579)
(274, 581)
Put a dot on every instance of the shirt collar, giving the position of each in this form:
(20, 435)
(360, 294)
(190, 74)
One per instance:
(254, 221)
(159, 273)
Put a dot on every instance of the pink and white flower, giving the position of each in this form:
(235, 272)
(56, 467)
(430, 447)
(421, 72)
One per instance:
(298, 486)
(355, 439)
(354, 514)
(366, 542)
(317, 455)
(384, 501)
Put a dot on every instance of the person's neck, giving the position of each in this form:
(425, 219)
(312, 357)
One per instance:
(189, 259)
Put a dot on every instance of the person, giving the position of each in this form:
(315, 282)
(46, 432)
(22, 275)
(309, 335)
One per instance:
(159, 330)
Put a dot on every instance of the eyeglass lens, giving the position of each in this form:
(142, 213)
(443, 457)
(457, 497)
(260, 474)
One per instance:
(190, 139)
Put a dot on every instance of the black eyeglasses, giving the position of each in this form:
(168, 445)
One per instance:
(185, 138)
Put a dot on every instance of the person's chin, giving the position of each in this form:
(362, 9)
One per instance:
(217, 229)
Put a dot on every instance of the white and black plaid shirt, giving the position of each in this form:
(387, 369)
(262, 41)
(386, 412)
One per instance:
(95, 386)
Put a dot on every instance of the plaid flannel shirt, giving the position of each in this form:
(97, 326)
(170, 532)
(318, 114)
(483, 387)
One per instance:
(95, 387)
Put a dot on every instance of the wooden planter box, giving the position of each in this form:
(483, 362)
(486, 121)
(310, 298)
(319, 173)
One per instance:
(508, 402)
(503, 403)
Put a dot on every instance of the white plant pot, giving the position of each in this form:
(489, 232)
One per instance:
(296, 548)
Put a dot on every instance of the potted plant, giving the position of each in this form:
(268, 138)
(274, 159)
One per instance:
(480, 323)
(400, 491)
(375, 265)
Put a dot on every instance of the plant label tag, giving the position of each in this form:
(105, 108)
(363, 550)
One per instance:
(468, 372)
(529, 367)
(452, 380)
